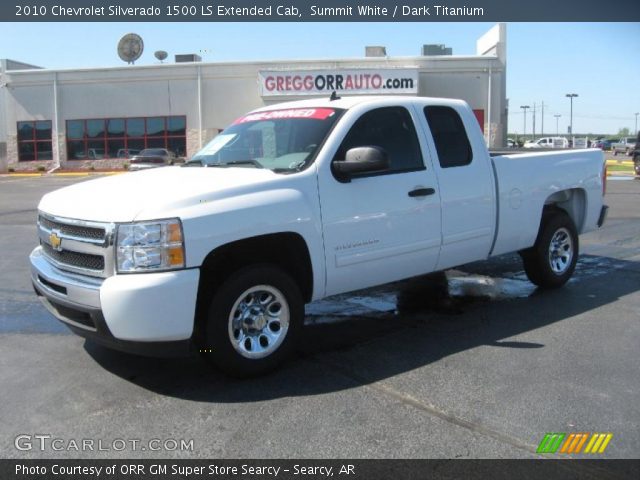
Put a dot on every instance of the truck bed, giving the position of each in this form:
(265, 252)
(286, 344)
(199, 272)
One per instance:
(527, 181)
(516, 151)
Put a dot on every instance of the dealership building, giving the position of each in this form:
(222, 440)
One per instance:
(74, 118)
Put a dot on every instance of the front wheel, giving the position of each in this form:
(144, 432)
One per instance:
(254, 319)
(552, 260)
(636, 164)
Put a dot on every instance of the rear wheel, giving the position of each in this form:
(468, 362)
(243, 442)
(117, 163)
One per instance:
(552, 260)
(254, 319)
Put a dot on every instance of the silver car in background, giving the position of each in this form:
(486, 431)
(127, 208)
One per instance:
(151, 158)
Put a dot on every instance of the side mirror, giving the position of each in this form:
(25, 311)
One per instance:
(360, 160)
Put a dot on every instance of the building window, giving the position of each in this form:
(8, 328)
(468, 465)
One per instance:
(34, 140)
(93, 139)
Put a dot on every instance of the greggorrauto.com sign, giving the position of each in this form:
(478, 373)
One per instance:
(354, 81)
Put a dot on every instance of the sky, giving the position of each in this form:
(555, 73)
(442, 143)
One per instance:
(545, 61)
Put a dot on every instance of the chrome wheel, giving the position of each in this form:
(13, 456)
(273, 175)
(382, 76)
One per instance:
(259, 321)
(550, 262)
(560, 251)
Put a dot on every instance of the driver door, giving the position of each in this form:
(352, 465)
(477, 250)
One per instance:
(382, 226)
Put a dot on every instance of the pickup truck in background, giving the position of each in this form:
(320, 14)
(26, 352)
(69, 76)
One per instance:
(293, 203)
(625, 145)
(547, 142)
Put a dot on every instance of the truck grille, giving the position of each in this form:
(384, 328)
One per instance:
(73, 230)
(74, 259)
(77, 246)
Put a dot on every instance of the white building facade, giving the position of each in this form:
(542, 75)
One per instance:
(64, 117)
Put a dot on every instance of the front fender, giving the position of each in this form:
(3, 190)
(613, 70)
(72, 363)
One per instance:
(211, 225)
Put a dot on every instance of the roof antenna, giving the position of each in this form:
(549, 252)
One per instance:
(334, 96)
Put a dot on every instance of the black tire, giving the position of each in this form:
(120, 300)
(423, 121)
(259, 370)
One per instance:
(552, 259)
(636, 164)
(252, 293)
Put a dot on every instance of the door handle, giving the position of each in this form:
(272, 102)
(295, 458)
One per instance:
(421, 192)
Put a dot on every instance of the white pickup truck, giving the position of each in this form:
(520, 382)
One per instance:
(293, 203)
(625, 145)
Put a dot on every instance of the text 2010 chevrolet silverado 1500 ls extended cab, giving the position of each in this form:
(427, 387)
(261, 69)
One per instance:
(293, 203)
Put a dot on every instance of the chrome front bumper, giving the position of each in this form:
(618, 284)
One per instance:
(73, 292)
(75, 301)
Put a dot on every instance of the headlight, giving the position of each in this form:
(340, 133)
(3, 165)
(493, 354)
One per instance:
(150, 246)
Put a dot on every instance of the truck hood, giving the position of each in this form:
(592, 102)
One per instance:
(141, 195)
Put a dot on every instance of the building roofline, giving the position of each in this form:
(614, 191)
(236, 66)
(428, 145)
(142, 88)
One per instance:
(373, 60)
(5, 61)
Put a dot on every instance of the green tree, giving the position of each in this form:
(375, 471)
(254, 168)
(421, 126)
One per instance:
(623, 132)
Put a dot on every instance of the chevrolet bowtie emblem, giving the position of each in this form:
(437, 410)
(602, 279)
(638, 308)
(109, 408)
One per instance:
(55, 241)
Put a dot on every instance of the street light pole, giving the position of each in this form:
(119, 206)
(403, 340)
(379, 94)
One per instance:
(533, 122)
(571, 97)
(524, 129)
(557, 131)
(636, 114)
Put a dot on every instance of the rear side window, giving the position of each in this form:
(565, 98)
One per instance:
(449, 135)
(390, 128)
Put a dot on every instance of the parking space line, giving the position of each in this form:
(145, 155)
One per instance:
(591, 471)
(387, 390)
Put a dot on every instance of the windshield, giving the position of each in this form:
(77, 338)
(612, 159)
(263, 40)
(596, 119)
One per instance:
(280, 140)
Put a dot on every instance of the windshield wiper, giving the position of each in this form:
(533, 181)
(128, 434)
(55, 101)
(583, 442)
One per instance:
(237, 162)
(192, 163)
(293, 168)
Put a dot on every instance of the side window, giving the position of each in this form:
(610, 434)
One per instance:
(449, 136)
(390, 128)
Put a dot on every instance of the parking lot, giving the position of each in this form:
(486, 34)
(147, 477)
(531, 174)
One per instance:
(386, 373)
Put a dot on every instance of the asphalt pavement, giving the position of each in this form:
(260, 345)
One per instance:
(384, 373)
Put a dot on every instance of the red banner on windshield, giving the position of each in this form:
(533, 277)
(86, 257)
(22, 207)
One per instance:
(312, 113)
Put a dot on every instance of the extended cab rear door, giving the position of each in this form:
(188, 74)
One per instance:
(466, 182)
(383, 226)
